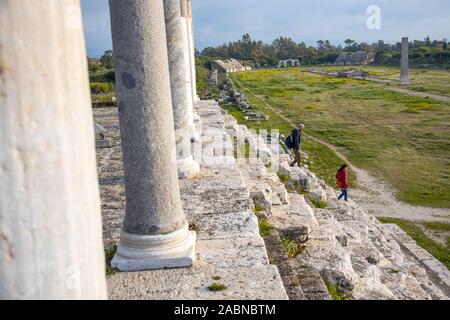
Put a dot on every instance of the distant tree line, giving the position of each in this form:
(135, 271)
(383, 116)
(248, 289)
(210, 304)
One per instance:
(426, 53)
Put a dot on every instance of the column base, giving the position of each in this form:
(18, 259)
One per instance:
(165, 251)
(404, 82)
(187, 168)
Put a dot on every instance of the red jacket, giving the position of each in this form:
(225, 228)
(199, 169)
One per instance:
(342, 179)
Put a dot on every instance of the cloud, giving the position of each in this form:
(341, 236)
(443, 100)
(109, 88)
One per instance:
(220, 21)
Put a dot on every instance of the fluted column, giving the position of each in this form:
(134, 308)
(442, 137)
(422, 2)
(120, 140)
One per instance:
(50, 221)
(182, 103)
(404, 74)
(155, 231)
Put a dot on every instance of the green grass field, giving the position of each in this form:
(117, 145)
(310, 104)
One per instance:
(401, 138)
(424, 80)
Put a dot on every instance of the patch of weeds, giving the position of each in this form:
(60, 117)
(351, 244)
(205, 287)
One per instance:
(418, 107)
(437, 226)
(194, 227)
(217, 278)
(299, 189)
(318, 203)
(283, 177)
(109, 255)
(393, 271)
(334, 292)
(291, 247)
(265, 228)
(258, 209)
(439, 251)
(216, 287)
(246, 150)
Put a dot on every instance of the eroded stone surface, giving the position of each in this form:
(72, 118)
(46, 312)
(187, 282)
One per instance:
(249, 283)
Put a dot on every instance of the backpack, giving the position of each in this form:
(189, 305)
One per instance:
(289, 142)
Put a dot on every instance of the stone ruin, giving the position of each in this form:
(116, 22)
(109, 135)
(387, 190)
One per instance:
(404, 68)
(229, 65)
(353, 73)
(169, 200)
(230, 95)
(288, 63)
(213, 79)
(347, 73)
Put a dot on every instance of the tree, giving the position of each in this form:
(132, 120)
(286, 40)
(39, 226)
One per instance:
(350, 43)
(107, 60)
(320, 45)
(257, 52)
(94, 66)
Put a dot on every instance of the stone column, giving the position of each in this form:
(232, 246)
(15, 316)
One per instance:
(190, 85)
(155, 232)
(182, 103)
(404, 74)
(51, 243)
(190, 30)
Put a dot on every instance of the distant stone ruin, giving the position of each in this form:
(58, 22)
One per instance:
(213, 79)
(404, 69)
(352, 73)
(288, 63)
(230, 95)
(229, 65)
(359, 58)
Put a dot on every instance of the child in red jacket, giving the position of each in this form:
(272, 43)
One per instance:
(342, 181)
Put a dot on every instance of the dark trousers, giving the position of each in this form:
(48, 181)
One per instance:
(298, 158)
(344, 194)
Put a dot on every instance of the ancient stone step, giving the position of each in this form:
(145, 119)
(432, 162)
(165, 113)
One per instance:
(311, 282)
(296, 219)
(278, 257)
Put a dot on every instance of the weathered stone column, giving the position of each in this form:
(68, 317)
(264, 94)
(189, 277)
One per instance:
(404, 73)
(190, 30)
(155, 232)
(51, 243)
(196, 134)
(182, 103)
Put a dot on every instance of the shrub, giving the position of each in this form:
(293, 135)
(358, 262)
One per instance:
(101, 87)
(265, 228)
(215, 287)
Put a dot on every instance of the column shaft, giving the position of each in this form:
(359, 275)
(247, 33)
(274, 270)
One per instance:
(191, 38)
(155, 232)
(404, 74)
(182, 103)
(50, 221)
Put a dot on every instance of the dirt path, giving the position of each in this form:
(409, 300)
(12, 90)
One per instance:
(377, 197)
(421, 94)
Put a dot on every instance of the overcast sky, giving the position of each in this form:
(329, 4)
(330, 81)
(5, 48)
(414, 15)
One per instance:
(219, 21)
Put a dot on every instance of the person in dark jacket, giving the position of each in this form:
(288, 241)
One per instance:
(296, 144)
(342, 181)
